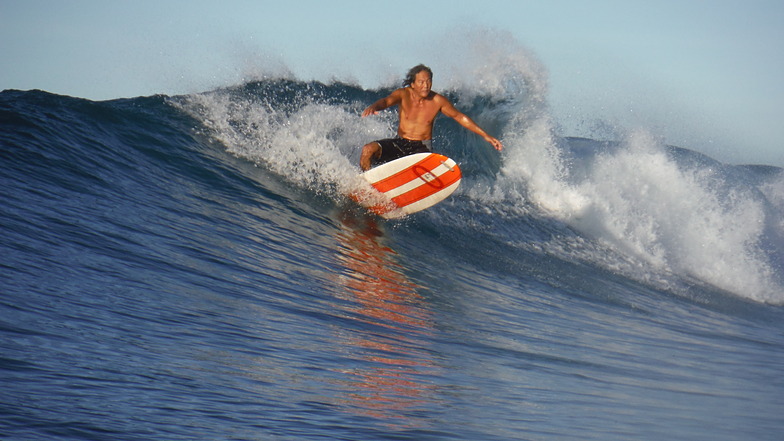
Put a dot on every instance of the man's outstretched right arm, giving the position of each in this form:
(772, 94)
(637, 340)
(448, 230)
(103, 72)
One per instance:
(388, 101)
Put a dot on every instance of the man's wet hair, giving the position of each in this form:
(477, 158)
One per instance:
(412, 73)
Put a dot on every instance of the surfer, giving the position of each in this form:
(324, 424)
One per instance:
(418, 108)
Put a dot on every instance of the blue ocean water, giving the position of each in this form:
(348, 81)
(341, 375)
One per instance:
(187, 268)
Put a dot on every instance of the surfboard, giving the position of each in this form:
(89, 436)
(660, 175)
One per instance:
(408, 184)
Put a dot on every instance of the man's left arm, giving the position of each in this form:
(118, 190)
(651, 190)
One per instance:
(449, 110)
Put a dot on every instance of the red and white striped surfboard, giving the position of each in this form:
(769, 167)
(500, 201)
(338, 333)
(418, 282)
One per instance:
(409, 184)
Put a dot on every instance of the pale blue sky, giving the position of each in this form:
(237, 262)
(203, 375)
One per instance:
(706, 75)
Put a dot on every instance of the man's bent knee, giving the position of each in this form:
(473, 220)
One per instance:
(369, 151)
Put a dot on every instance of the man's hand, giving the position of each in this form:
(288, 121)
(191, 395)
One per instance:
(495, 143)
(370, 111)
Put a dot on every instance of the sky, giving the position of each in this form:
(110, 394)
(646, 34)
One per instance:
(702, 74)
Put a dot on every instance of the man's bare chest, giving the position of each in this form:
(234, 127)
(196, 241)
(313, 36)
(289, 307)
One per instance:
(424, 113)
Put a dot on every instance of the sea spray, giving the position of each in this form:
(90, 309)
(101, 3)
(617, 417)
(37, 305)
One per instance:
(670, 217)
(310, 143)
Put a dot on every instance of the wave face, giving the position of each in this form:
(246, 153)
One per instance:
(189, 268)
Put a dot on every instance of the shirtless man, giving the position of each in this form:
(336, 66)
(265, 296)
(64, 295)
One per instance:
(418, 108)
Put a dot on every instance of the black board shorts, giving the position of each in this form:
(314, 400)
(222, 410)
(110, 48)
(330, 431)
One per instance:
(394, 148)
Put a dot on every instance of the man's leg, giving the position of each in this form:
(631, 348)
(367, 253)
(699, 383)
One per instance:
(369, 151)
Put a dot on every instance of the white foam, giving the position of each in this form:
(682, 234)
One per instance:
(641, 202)
(316, 146)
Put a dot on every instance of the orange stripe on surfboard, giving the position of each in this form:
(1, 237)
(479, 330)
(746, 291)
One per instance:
(408, 174)
(424, 190)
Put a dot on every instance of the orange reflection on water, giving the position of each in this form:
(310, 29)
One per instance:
(390, 376)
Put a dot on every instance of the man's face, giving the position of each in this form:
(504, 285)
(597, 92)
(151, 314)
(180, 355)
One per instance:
(422, 84)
